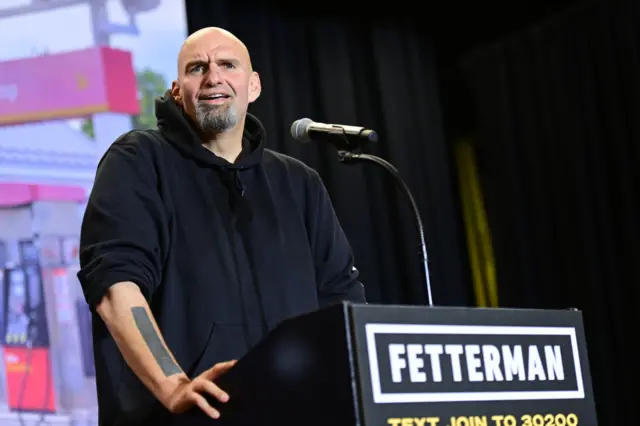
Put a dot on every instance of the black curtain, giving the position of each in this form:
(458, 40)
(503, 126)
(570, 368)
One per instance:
(376, 74)
(558, 144)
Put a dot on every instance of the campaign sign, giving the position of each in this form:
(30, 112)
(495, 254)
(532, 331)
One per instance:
(472, 367)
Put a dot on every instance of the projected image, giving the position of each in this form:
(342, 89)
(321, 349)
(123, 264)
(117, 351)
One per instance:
(89, 73)
(74, 75)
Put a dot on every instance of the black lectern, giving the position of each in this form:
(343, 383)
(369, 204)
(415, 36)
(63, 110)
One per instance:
(404, 365)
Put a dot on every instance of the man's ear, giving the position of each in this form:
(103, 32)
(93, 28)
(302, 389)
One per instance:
(255, 87)
(175, 92)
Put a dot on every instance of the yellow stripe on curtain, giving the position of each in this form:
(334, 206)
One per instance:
(476, 227)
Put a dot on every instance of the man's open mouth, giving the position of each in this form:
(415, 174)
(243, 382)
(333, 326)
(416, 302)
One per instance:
(214, 97)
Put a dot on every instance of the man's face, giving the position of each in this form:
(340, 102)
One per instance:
(216, 83)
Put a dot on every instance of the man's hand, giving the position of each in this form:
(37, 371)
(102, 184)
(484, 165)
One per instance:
(188, 393)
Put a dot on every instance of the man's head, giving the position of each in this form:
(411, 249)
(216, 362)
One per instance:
(216, 81)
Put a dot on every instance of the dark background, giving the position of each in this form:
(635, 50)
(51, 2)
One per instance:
(549, 94)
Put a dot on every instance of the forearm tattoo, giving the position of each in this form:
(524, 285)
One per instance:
(151, 337)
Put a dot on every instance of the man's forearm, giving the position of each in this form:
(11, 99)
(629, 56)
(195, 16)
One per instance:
(130, 321)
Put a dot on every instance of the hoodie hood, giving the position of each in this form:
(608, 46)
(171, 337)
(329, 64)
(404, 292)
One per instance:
(181, 132)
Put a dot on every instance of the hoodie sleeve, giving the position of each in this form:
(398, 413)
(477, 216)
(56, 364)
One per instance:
(124, 224)
(336, 274)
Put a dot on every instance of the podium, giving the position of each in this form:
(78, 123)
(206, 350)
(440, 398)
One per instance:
(367, 365)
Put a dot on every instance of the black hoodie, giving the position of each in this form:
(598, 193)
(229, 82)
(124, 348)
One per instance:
(222, 252)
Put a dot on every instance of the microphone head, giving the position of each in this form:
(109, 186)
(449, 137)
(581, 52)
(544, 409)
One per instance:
(300, 129)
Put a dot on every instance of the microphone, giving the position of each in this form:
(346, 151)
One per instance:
(342, 136)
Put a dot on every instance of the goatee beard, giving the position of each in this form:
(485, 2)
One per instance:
(215, 118)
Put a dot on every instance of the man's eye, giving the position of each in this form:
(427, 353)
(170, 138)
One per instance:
(228, 65)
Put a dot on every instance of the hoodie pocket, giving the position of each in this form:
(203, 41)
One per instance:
(226, 342)
(190, 366)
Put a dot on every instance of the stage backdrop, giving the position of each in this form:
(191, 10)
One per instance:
(558, 151)
(74, 75)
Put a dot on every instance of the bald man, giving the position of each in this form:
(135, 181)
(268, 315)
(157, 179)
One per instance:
(197, 241)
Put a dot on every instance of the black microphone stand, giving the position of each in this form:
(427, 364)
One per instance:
(351, 157)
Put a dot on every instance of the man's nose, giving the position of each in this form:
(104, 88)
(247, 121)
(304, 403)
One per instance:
(214, 76)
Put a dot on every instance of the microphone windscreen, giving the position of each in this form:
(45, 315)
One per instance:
(300, 129)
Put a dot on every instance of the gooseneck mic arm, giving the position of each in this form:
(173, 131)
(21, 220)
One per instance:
(348, 140)
(348, 157)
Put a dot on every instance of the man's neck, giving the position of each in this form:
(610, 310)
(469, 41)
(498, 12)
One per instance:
(226, 145)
